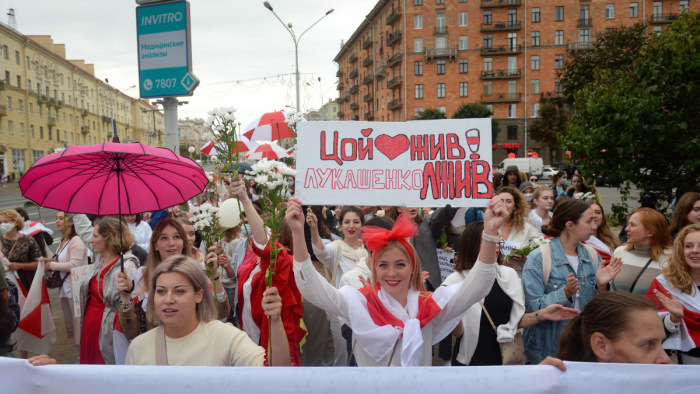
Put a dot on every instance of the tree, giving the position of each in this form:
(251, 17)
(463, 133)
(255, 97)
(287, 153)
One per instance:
(640, 123)
(553, 120)
(476, 110)
(430, 113)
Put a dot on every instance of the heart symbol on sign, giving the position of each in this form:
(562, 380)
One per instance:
(366, 132)
(392, 147)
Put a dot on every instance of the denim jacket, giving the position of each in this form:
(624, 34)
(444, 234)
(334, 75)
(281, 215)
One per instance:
(542, 340)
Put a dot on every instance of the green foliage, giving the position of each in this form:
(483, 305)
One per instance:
(430, 113)
(477, 110)
(553, 120)
(637, 119)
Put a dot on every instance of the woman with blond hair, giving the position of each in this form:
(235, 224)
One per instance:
(676, 291)
(646, 252)
(20, 250)
(516, 231)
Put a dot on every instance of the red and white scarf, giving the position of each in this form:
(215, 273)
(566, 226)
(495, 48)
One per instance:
(688, 335)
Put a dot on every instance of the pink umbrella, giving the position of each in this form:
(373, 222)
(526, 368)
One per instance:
(269, 127)
(268, 151)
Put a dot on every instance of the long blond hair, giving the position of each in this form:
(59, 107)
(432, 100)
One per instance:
(521, 210)
(677, 270)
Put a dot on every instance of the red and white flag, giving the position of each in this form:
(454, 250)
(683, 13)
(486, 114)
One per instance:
(36, 331)
(688, 335)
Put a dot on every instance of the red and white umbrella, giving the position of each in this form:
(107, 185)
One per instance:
(269, 127)
(244, 145)
(268, 151)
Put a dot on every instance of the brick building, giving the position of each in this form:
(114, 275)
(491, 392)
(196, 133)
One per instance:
(409, 55)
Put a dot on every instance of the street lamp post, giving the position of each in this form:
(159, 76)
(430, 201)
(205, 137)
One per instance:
(296, 40)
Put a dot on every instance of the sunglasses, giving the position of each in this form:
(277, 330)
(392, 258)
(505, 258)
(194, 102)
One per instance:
(533, 180)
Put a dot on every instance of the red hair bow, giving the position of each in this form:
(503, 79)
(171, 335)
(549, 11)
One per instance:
(376, 238)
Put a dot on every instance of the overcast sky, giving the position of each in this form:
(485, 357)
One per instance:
(232, 40)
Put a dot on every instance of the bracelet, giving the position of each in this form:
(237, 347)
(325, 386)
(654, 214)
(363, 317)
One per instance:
(537, 317)
(491, 238)
(125, 306)
(216, 278)
(221, 296)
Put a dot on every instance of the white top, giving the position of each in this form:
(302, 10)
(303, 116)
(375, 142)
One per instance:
(373, 345)
(142, 234)
(249, 325)
(210, 344)
(328, 255)
(536, 220)
(352, 277)
(573, 262)
(65, 291)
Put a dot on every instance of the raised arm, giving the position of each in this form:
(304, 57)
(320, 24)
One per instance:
(83, 227)
(238, 190)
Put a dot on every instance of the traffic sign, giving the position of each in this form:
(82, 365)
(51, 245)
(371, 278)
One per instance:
(165, 53)
(531, 153)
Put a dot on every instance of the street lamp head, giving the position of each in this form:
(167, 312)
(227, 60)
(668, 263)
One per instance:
(267, 5)
(329, 11)
(289, 25)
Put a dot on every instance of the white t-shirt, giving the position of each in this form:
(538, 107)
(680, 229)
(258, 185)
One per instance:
(573, 262)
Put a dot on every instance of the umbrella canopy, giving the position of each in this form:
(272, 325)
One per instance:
(243, 144)
(268, 151)
(112, 178)
(269, 127)
(241, 167)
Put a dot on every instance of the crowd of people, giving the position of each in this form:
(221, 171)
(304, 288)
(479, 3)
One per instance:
(538, 277)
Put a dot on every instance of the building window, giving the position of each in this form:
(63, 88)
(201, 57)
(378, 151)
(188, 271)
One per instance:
(584, 35)
(418, 45)
(463, 18)
(463, 43)
(488, 40)
(26, 61)
(9, 103)
(440, 66)
(417, 2)
(41, 132)
(487, 18)
(29, 85)
(535, 62)
(512, 89)
(534, 110)
(609, 11)
(419, 91)
(558, 13)
(21, 129)
(38, 107)
(5, 51)
(512, 132)
(535, 14)
(464, 89)
(535, 86)
(558, 62)
(488, 64)
(512, 110)
(37, 154)
(442, 109)
(463, 66)
(7, 77)
(441, 90)
(418, 111)
(557, 86)
(683, 6)
(658, 29)
(417, 21)
(440, 2)
(19, 82)
(31, 109)
(488, 88)
(10, 127)
(634, 10)
(535, 38)
(20, 105)
(18, 160)
(418, 68)
(559, 37)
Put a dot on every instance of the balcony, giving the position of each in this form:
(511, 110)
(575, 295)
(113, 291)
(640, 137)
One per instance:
(394, 82)
(340, 114)
(502, 50)
(354, 89)
(85, 129)
(52, 122)
(393, 38)
(663, 18)
(367, 43)
(393, 17)
(581, 46)
(395, 104)
(353, 74)
(367, 62)
(436, 53)
(502, 26)
(3, 110)
(105, 119)
(352, 58)
(52, 101)
(500, 3)
(84, 113)
(500, 74)
(43, 99)
(502, 98)
(547, 96)
(2, 85)
(394, 60)
(368, 97)
(380, 72)
(354, 106)
(344, 97)
(340, 86)
(584, 22)
(59, 103)
(369, 115)
(440, 30)
(339, 73)
(368, 79)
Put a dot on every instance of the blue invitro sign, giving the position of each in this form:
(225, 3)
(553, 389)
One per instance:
(165, 55)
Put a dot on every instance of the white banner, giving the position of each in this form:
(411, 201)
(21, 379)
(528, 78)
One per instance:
(77, 276)
(417, 164)
(20, 377)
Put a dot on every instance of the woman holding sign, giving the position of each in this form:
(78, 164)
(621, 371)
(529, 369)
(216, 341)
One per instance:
(339, 257)
(394, 321)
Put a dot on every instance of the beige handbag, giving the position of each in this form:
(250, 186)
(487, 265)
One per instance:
(513, 352)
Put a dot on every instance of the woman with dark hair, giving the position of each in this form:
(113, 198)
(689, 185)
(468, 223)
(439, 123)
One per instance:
(559, 185)
(565, 272)
(602, 240)
(578, 185)
(615, 327)
(646, 252)
(687, 212)
(504, 306)
(139, 229)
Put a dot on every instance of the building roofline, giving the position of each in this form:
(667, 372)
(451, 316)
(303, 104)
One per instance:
(358, 32)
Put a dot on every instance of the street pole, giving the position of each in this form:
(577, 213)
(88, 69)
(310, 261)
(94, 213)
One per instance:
(288, 27)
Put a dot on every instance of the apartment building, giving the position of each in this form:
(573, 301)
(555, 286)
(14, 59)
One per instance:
(408, 55)
(48, 102)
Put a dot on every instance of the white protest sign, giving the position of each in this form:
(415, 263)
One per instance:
(445, 263)
(417, 164)
(77, 276)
